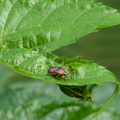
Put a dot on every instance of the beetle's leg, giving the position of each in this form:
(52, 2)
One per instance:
(63, 78)
(56, 76)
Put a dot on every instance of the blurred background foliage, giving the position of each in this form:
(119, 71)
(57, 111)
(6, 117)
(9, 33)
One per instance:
(102, 47)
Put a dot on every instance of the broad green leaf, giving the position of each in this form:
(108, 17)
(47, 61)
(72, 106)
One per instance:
(30, 29)
(35, 65)
(46, 25)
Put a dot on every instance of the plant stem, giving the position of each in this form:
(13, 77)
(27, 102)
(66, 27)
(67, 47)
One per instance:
(109, 101)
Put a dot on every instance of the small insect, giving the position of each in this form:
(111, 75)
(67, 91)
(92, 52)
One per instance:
(57, 71)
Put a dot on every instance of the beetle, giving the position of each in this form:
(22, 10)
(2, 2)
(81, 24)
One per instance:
(57, 71)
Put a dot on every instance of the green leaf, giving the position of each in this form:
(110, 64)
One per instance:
(77, 91)
(35, 65)
(49, 24)
(29, 29)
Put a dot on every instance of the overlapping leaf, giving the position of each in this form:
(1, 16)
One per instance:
(31, 29)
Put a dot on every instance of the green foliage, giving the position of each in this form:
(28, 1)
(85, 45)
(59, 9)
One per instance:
(33, 99)
(31, 29)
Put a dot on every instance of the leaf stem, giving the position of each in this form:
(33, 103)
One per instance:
(109, 101)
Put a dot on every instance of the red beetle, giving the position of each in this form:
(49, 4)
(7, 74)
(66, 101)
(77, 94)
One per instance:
(57, 71)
